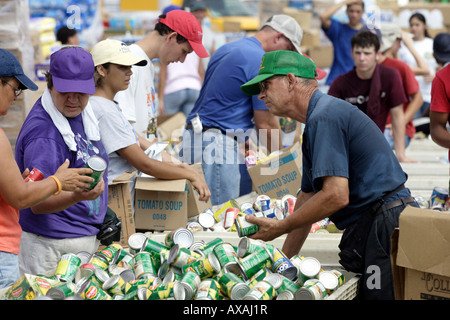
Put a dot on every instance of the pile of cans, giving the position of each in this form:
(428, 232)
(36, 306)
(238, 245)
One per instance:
(184, 269)
(439, 200)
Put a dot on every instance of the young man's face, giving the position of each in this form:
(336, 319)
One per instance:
(355, 13)
(174, 51)
(365, 58)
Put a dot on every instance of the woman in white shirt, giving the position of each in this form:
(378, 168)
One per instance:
(423, 44)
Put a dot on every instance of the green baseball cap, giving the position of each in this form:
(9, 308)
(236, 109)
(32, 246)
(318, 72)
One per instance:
(280, 62)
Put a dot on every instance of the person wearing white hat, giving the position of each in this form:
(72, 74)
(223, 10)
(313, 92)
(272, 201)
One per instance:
(125, 148)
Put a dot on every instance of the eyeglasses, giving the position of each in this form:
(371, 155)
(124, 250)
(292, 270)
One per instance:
(17, 91)
(263, 84)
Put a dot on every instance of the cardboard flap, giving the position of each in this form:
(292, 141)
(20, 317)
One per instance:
(124, 177)
(424, 241)
(153, 184)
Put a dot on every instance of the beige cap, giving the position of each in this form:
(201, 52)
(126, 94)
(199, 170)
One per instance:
(289, 27)
(115, 51)
(389, 33)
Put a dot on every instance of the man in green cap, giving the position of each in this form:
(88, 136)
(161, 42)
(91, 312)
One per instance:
(350, 173)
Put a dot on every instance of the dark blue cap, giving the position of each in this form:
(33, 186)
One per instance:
(10, 67)
(441, 47)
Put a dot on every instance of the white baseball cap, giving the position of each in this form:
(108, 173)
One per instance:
(289, 27)
(115, 51)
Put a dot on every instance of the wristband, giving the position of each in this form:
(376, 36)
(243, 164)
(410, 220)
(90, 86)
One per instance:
(58, 183)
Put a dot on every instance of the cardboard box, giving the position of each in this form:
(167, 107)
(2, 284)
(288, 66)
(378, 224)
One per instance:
(304, 18)
(166, 204)
(171, 126)
(311, 38)
(322, 56)
(421, 255)
(119, 200)
(280, 175)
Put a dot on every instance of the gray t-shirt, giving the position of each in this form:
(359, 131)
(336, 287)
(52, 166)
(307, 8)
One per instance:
(116, 133)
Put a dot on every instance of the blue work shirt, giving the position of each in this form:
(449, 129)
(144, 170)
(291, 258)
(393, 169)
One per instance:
(340, 140)
(221, 103)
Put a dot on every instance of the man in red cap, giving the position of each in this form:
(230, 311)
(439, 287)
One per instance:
(176, 34)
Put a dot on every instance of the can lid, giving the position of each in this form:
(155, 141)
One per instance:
(275, 279)
(239, 291)
(285, 295)
(183, 237)
(84, 257)
(310, 266)
(242, 247)
(215, 264)
(290, 272)
(304, 294)
(97, 163)
(329, 280)
(196, 245)
(206, 220)
(173, 253)
(128, 275)
(108, 284)
(55, 293)
(137, 240)
(142, 293)
(101, 274)
(182, 291)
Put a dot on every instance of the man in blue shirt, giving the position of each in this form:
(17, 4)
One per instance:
(340, 34)
(228, 116)
(349, 169)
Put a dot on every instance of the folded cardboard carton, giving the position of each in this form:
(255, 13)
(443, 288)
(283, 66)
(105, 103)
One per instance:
(120, 201)
(279, 175)
(166, 204)
(421, 255)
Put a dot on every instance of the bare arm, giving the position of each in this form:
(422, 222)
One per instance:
(163, 170)
(312, 208)
(414, 105)
(422, 66)
(438, 128)
(161, 88)
(398, 132)
(20, 194)
(325, 16)
(264, 120)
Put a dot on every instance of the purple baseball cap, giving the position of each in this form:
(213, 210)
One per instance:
(72, 70)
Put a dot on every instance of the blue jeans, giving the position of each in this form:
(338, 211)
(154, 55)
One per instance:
(220, 160)
(180, 101)
(390, 140)
(9, 269)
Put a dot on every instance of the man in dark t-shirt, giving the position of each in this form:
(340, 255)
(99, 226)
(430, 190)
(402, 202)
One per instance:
(375, 89)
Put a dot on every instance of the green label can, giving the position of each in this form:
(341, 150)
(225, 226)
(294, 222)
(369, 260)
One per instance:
(247, 246)
(190, 281)
(98, 166)
(144, 265)
(232, 286)
(179, 256)
(262, 290)
(67, 267)
(62, 290)
(205, 267)
(110, 251)
(245, 228)
(208, 290)
(181, 236)
(227, 257)
(90, 290)
(209, 246)
(254, 262)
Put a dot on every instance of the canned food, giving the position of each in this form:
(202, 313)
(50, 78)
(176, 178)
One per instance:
(98, 166)
(134, 285)
(309, 268)
(34, 175)
(110, 251)
(247, 208)
(230, 216)
(89, 290)
(190, 281)
(247, 246)
(257, 203)
(179, 256)
(144, 265)
(136, 241)
(331, 280)
(114, 285)
(165, 291)
(322, 224)
(84, 256)
(260, 275)
(275, 279)
(205, 267)
(180, 236)
(62, 290)
(194, 226)
(285, 295)
(99, 261)
(99, 276)
(245, 228)
(438, 198)
(422, 202)
(254, 262)
(232, 286)
(250, 158)
(312, 289)
(219, 215)
(208, 289)
(227, 257)
(262, 290)
(67, 267)
(153, 246)
(282, 265)
(86, 270)
(206, 218)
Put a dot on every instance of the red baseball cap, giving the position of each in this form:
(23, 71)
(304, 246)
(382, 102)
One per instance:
(185, 24)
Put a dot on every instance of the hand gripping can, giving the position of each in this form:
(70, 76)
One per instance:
(67, 267)
(34, 175)
(245, 228)
(233, 286)
(98, 166)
